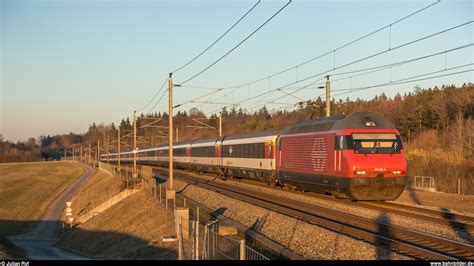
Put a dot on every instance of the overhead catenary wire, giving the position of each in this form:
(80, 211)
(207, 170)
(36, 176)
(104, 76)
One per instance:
(358, 60)
(159, 100)
(335, 49)
(390, 49)
(192, 60)
(235, 47)
(327, 53)
(403, 81)
(387, 66)
(153, 98)
(396, 82)
(218, 39)
(380, 53)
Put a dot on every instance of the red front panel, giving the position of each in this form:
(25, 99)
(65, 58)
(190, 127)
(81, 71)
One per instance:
(373, 164)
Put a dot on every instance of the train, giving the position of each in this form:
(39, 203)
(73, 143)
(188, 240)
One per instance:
(358, 156)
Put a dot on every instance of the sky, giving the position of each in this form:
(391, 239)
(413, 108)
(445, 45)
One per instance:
(66, 64)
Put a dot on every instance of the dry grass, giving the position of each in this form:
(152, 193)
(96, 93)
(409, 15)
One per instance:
(98, 189)
(26, 189)
(131, 229)
(460, 203)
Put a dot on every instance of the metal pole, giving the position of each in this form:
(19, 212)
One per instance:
(170, 131)
(80, 158)
(118, 151)
(134, 144)
(220, 125)
(64, 153)
(328, 101)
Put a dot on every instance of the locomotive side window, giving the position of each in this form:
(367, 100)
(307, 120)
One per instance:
(376, 143)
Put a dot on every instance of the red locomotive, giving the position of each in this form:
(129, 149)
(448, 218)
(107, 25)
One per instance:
(359, 156)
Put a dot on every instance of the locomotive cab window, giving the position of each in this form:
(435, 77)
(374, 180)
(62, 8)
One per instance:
(376, 143)
(344, 143)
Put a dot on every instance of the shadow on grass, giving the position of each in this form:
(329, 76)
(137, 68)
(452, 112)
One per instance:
(38, 244)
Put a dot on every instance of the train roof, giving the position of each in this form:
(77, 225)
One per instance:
(208, 140)
(341, 122)
(250, 135)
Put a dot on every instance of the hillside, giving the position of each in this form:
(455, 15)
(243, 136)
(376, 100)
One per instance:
(130, 229)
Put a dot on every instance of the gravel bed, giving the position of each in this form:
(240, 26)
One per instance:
(394, 219)
(308, 240)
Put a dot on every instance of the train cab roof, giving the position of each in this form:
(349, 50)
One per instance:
(340, 122)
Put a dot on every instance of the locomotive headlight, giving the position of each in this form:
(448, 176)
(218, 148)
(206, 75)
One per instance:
(361, 172)
(397, 172)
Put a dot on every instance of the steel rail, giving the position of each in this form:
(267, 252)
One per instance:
(417, 244)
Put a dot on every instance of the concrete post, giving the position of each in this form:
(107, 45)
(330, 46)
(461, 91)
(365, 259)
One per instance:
(170, 131)
(242, 255)
(118, 151)
(182, 214)
(197, 234)
(135, 175)
(328, 100)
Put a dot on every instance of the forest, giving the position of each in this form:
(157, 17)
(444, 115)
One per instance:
(436, 125)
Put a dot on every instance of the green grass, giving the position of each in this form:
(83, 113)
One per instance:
(26, 189)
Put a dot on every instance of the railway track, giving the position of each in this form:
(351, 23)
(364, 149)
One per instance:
(378, 232)
(454, 221)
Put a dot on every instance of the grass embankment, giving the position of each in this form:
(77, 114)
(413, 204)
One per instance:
(26, 189)
(98, 189)
(130, 229)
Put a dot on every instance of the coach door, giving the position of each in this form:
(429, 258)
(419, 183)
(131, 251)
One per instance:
(218, 153)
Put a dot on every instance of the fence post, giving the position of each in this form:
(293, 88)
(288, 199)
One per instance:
(160, 192)
(192, 246)
(206, 243)
(180, 239)
(242, 250)
(459, 186)
(197, 233)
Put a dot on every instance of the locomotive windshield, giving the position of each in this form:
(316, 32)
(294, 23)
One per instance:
(376, 143)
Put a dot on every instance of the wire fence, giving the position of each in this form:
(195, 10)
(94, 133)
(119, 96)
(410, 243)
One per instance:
(434, 184)
(423, 182)
(199, 236)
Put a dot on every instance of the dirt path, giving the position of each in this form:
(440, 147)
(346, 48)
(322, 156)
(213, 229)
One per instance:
(39, 243)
